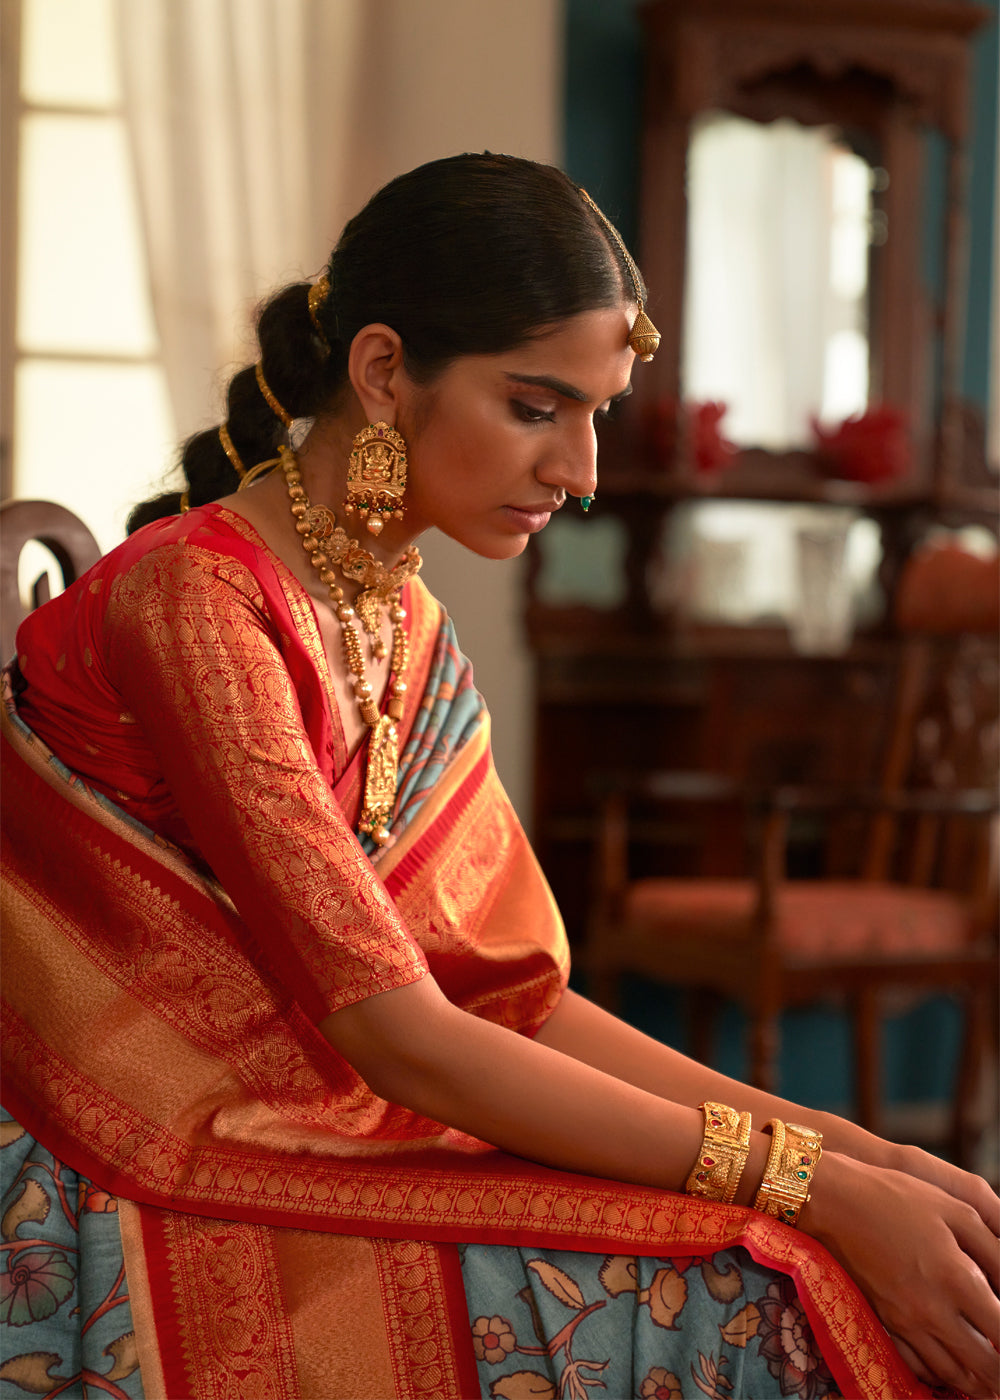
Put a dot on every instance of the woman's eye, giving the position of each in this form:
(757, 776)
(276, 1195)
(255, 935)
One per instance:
(529, 414)
(605, 415)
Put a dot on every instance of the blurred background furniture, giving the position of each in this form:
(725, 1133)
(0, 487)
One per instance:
(650, 654)
(907, 899)
(66, 538)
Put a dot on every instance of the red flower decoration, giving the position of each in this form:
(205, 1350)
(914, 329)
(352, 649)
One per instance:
(709, 449)
(869, 447)
(788, 1346)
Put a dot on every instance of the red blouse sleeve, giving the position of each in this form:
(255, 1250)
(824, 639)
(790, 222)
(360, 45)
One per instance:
(195, 656)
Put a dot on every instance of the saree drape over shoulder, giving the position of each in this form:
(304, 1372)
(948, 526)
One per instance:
(186, 900)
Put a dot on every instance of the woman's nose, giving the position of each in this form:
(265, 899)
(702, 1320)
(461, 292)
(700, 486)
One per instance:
(572, 464)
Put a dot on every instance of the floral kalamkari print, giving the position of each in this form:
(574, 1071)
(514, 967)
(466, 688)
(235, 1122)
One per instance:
(65, 1319)
(565, 1326)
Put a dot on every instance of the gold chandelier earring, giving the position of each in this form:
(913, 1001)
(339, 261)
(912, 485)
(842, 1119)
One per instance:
(376, 476)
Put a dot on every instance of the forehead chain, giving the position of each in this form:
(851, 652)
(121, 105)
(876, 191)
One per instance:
(644, 338)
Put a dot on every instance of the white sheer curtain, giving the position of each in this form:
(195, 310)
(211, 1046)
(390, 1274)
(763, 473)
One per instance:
(239, 113)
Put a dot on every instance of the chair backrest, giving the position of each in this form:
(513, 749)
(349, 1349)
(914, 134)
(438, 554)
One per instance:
(62, 533)
(945, 723)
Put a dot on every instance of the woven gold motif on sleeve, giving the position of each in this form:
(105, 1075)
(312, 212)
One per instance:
(199, 665)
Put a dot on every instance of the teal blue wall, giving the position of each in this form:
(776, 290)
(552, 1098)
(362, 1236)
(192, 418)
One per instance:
(602, 115)
(982, 211)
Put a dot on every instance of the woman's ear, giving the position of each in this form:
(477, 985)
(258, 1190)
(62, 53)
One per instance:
(374, 365)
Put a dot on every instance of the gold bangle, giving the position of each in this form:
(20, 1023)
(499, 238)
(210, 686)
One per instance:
(794, 1155)
(725, 1147)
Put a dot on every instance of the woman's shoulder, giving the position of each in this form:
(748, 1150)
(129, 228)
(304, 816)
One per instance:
(206, 548)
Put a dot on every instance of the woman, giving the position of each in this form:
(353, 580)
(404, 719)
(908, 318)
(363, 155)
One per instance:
(289, 992)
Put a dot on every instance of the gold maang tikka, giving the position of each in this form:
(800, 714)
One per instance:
(376, 476)
(643, 338)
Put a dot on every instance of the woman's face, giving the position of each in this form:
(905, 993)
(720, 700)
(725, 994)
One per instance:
(498, 442)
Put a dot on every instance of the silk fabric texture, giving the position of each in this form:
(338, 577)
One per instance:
(185, 899)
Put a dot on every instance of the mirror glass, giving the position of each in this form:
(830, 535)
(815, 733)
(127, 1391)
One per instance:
(780, 228)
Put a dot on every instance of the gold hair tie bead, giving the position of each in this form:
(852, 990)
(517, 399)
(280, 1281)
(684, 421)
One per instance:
(725, 1147)
(272, 402)
(794, 1155)
(644, 338)
(318, 293)
(230, 451)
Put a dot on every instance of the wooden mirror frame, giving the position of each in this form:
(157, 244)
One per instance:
(892, 71)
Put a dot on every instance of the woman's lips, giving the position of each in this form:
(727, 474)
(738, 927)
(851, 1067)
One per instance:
(530, 518)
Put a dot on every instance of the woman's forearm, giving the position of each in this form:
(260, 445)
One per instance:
(414, 1048)
(926, 1259)
(588, 1033)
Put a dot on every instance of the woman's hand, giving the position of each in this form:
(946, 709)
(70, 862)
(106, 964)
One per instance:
(961, 1185)
(928, 1262)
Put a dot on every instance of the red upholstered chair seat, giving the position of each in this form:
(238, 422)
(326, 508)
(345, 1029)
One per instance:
(823, 920)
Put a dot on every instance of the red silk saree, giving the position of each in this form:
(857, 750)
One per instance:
(185, 900)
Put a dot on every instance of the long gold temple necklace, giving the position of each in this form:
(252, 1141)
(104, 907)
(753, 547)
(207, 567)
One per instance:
(326, 544)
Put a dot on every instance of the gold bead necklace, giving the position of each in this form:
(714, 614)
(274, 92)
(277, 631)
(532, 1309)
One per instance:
(326, 544)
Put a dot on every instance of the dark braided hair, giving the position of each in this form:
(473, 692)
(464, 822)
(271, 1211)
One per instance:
(471, 255)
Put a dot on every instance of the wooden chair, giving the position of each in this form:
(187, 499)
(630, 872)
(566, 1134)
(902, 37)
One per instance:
(909, 900)
(61, 532)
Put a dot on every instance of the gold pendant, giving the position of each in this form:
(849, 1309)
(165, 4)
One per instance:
(368, 606)
(380, 780)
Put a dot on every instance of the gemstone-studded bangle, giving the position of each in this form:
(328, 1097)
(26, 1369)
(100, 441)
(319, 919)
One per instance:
(723, 1155)
(784, 1187)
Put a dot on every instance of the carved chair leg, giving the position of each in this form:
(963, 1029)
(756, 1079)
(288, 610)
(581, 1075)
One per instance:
(868, 1058)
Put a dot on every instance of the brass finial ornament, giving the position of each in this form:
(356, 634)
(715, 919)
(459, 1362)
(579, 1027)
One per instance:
(643, 338)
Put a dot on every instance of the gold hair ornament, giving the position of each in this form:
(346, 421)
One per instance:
(725, 1147)
(318, 293)
(259, 470)
(376, 476)
(643, 338)
(326, 544)
(230, 451)
(272, 402)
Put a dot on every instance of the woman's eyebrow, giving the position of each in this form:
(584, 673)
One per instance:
(559, 386)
